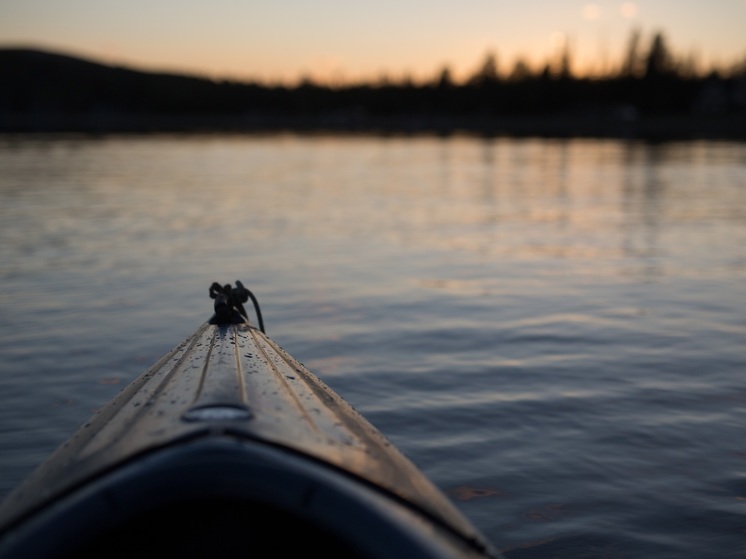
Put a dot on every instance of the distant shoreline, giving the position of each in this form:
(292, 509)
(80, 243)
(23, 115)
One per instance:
(669, 127)
(47, 93)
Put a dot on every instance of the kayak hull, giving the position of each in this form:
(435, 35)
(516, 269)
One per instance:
(236, 442)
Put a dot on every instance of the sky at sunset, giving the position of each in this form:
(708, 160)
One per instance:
(346, 40)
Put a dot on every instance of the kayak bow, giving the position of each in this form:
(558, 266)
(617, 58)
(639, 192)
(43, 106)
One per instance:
(227, 447)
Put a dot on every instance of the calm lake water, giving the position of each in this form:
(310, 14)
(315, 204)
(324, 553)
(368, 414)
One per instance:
(553, 330)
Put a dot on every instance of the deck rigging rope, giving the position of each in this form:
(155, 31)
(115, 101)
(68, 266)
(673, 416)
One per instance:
(229, 302)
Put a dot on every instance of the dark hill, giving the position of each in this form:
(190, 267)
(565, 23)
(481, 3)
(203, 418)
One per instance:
(43, 82)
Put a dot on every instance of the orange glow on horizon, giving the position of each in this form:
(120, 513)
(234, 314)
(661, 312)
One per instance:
(337, 42)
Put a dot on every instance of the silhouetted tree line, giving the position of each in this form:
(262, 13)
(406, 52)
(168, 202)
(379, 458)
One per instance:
(41, 90)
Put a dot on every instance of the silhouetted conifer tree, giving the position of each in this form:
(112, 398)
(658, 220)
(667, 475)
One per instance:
(487, 72)
(521, 71)
(659, 62)
(445, 79)
(631, 64)
(564, 71)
